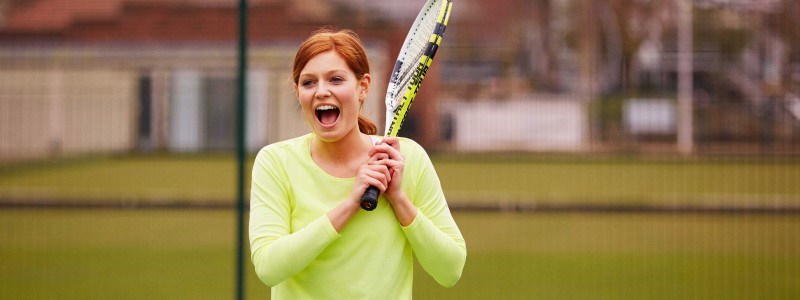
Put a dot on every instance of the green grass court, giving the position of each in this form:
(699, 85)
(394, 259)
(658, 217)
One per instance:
(189, 253)
(614, 180)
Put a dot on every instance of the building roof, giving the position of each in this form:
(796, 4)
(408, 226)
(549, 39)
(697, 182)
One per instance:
(474, 22)
(55, 15)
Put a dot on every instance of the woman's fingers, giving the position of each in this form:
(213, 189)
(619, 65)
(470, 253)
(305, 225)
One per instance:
(393, 152)
(378, 157)
(394, 142)
(376, 175)
(386, 154)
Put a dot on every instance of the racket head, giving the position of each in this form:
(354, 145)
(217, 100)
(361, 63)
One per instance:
(414, 60)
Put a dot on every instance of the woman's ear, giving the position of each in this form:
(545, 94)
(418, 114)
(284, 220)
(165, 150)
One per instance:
(363, 85)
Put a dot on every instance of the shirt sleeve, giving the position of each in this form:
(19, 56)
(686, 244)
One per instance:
(276, 252)
(434, 237)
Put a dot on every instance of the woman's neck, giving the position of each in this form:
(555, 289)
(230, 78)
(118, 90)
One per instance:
(352, 148)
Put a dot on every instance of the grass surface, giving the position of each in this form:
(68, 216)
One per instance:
(623, 181)
(755, 181)
(134, 178)
(120, 254)
(188, 254)
(627, 256)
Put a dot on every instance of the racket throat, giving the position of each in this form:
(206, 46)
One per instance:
(388, 128)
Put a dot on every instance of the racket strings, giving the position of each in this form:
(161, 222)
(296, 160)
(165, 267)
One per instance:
(412, 51)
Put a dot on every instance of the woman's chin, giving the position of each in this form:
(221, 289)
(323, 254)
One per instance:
(333, 134)
(328, 134)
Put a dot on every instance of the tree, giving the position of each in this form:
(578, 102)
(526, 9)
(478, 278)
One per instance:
(636, 21)
(610, 33)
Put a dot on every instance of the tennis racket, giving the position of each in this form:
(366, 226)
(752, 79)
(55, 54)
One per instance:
(413, 62)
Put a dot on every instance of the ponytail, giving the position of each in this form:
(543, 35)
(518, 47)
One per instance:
(366, 126)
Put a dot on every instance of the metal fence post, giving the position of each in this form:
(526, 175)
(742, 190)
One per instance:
(240, 147)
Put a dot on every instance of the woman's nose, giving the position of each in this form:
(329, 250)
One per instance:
(322, 91)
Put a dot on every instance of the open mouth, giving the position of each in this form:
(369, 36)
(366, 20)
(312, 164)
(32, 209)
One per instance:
(327, 114)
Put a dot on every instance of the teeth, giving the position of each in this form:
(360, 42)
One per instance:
(326, 107)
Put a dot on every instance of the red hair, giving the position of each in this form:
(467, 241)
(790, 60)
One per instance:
(347, 44)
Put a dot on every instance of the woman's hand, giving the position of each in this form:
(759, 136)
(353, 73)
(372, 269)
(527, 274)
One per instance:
(387, 154)
(370, 174)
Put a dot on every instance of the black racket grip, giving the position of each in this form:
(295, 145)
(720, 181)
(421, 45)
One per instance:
(370, 198)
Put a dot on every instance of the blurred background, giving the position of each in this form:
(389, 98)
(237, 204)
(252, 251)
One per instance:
(601, 149)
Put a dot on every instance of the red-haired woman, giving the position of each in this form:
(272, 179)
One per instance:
(309, 239)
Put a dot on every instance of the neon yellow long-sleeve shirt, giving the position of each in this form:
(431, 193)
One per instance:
(297, 252)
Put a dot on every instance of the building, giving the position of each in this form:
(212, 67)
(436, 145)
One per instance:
(151, 75)
(78, 76)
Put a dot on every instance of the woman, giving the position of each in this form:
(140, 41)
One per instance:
(308, 236)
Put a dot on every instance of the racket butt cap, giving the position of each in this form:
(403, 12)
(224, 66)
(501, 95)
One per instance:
(369, 201)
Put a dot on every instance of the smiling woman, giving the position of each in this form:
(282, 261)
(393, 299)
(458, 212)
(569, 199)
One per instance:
(331, 97)
(308, 235)
(347, 53)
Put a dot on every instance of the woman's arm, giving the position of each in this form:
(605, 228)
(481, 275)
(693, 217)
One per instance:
(426, 220)
(434, 236)
(277, 253)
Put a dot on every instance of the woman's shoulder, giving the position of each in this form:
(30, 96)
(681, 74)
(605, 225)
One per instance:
(284, 147)
(410, 147)
(404, 141)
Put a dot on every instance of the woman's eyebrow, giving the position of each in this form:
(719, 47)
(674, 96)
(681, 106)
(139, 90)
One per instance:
(326, 73)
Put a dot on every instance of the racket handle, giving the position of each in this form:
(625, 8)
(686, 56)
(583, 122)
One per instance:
(370, 198)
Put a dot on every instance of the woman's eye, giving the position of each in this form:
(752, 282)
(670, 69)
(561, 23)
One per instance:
(307, 82)
(337, 79)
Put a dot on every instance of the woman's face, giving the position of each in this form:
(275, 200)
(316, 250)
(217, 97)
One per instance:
(330, 96)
